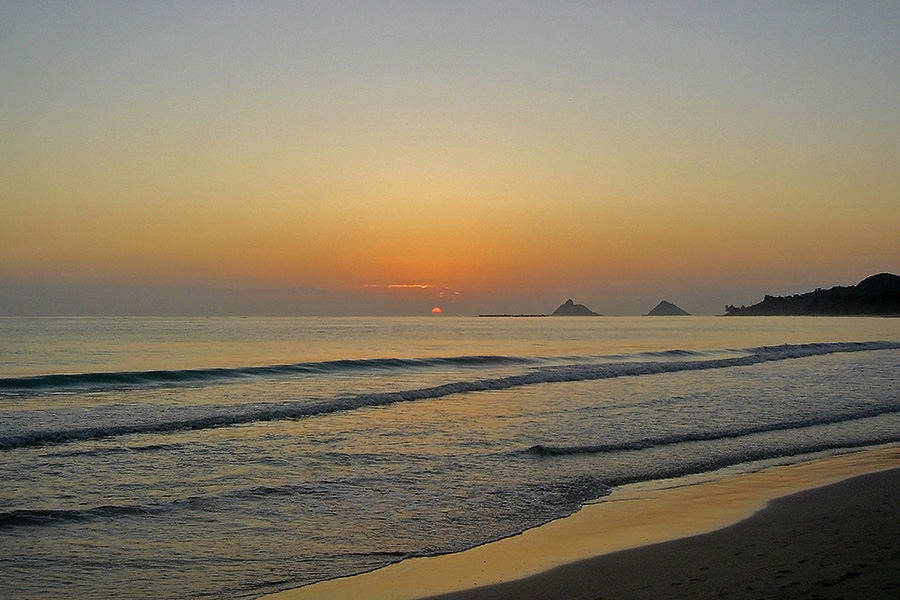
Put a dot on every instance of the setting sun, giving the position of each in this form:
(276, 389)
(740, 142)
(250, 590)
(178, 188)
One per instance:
(224, 223)
(373, 168)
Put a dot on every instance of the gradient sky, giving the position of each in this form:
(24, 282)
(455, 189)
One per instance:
(387, 157)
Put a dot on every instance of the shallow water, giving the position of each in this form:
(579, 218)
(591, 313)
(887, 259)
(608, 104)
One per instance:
(226, 458)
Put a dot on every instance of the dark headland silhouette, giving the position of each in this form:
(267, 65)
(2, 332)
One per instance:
(878, 295)
(570, 309)
(667, 309)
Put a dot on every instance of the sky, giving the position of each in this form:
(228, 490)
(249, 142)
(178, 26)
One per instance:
(384, 158)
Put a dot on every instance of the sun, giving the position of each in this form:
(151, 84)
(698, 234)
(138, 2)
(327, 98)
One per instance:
(436, 310)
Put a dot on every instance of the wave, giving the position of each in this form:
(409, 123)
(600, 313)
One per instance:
(542, 450)
(126, 380)
(62, 383)
(214, 418)
(42, 517)
(29, 517)
(714, 462)
(118, 450)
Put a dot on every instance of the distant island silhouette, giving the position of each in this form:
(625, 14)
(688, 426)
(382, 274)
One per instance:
(878, 295)
(570, 309)
(512, 315)
(667, 309)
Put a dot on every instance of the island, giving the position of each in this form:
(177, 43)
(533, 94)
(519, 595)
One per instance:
(878, 295)
(512, 315)
(667, 309)
(570, 309)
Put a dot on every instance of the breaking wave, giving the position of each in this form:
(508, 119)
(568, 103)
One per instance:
(215, 417)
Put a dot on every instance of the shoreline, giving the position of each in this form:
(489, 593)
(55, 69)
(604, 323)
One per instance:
(833, 542)
(621, 521)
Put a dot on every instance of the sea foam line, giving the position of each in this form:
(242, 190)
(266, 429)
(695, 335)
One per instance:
(548, 374)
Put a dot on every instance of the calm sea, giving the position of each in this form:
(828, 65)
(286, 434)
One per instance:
(231, 457)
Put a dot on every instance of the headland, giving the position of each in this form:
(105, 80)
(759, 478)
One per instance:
(878, 295)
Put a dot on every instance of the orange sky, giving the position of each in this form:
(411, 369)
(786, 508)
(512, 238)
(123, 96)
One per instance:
(505, 157)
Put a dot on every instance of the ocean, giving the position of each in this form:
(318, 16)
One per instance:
(233, 457)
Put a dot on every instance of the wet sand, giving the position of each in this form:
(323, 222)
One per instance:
(842, 540)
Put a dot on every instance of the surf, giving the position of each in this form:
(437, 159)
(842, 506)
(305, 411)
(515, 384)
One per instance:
(217, 416)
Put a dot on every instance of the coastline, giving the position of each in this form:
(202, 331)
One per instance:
(626, 519)
(833, 542)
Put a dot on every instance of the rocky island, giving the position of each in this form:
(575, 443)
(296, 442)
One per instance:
(570, 309)
(667, 309)
(878, 295)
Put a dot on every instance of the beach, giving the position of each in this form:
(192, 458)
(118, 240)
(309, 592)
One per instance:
(826, 528)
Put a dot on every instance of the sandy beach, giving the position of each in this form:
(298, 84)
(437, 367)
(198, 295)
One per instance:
(839, 541)
(827, 528)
